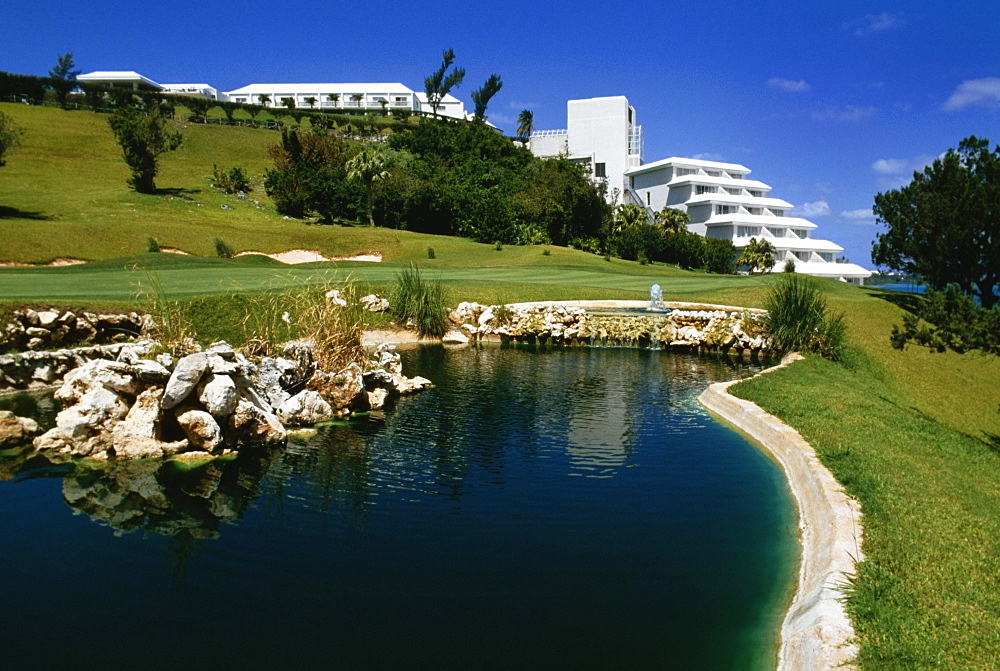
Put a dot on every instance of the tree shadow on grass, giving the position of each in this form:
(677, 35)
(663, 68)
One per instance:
(178, 192)
(7, 212)
(901, 299)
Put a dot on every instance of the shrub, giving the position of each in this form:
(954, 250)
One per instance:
(498, 246)
(798, 319)
(546, 252)
(789, 266)
(152, 245)
(420, 301)
(234, 181)
(223, 250)
(431, 254)
(720, 256)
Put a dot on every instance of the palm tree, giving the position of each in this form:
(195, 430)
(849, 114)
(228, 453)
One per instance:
(356, 97)
(264, 99)
(757, 254)
(525, 124)
(288, 102)
(311, 101)
(384, 103)
(334, 98)
(626, 216)
(368, 166)
(672, 220)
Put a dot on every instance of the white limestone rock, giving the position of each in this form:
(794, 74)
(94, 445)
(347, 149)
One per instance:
(251, 424)
(376, 398)
(454, 337)
(187, 373)
(218, 394)
(15, 431)
(201, 429)
(136, 436)
(305, 408)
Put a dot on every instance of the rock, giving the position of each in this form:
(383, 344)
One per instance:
(187, 373)
(334, 296)
(95, 410)
(251, 424)
(134, 352)
(221, 365)
(165, 360)
(273, 378)
(218, 394)
(374, 303)
(341, 388)
(305, 408)
(16, 431)
(150, 372)
(376, 398)
(47, 318)
(455, 337)
(201, 429)
(412, 384)
(137, 435)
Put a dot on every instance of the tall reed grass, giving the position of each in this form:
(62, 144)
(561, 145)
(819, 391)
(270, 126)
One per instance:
(417, 301)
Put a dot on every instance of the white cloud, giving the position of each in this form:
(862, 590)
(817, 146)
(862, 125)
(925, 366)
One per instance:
(874, 23)
(890, 166)
(984, 92)
(823, 187)
(865, 213)
(708, 156)
(521, 105)
(788, 85)
(819, 208)
(846, 113)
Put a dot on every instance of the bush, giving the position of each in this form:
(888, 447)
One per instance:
(419, 301)
(152, 245)
(431, 254)
(789, 266)
(234, 181)
(798, 319)
(223, 250)
(720, 256)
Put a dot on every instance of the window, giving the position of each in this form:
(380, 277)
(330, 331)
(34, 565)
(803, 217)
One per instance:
(747, 231)
(754, 210)
(599, 170)
(776, 212)
(701, 188)
(733, 191)
(647, 198)
(800, 233)
(802, 256)
(725, 209)
(686, 171)
(736, 176)
(826, 256)
(756, 194)
(713, 173)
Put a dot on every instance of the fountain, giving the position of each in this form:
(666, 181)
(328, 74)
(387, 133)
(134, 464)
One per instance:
(655, 299)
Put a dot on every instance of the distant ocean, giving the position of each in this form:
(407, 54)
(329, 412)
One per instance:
(909, 288)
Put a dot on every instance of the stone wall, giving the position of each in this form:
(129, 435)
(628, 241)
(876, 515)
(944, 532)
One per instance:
(704, 327)
(30, 329)
(36, 369)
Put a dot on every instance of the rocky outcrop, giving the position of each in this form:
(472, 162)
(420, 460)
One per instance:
(16, 431)
(40, 369)
(209, 403)
(30, 329)
(703, 328)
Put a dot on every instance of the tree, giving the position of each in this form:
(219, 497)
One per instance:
(264, 99)
(288, 102)
(720, 256)
(368, 167)
(672, 220)
(482, 96)
(437, 85)
(334, 98)
(143, 135)
(945, 224)
(525, 124)
(758, 255)
(951, 320)
(10, 137)
(63, 77)
(311, 101)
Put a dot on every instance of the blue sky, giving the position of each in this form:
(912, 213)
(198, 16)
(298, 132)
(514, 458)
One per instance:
(829, 103)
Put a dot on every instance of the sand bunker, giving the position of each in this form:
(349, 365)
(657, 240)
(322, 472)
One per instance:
(295, 256)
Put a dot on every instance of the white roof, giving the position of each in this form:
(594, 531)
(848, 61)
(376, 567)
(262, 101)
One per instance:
(116, 76)
(792, 244)
(760, 220)
(253, 89)
(688, 162)
(821, 269)
(719, 181)
(448, 98)
(729, 199)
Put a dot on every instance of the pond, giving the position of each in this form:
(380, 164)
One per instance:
(567, 508)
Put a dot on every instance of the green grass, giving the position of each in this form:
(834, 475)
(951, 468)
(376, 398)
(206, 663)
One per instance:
(915, 435)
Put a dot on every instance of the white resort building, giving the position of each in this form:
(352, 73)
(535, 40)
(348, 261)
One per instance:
(375, 98)
(721, 201)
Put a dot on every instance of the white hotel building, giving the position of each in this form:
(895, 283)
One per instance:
(718, 197)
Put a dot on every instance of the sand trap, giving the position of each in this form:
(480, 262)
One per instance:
(55, 263)
(174, 250)
(295, 256)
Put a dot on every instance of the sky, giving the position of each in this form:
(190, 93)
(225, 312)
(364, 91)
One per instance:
(828, 103)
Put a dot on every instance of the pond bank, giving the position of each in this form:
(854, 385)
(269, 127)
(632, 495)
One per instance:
(816, 632)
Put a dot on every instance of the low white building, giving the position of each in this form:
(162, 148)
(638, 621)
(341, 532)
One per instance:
(718, 197)
(375, 97)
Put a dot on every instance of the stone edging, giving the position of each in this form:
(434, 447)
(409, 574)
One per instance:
(816, 632)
